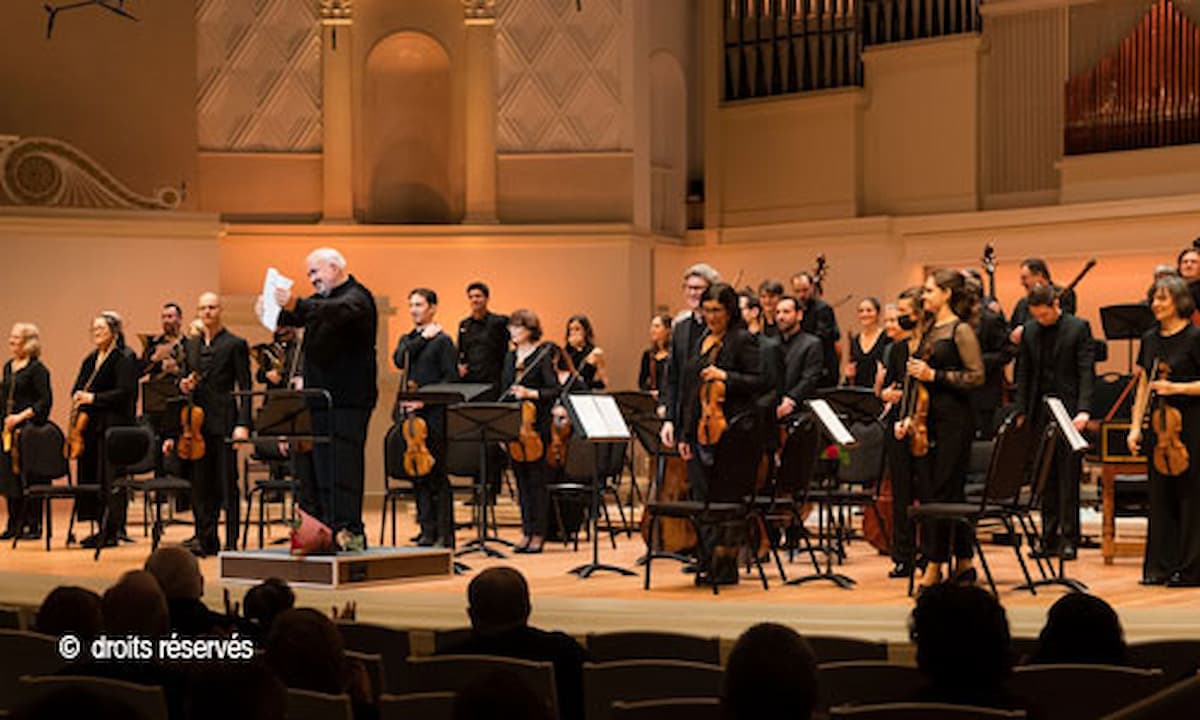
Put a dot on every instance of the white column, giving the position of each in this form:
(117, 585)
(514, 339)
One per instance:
(336, 110)
(479, 16)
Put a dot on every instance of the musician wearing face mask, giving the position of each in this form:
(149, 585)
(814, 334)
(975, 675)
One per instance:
(901, 323)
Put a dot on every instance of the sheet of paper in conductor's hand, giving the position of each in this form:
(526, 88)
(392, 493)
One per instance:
(269, 314)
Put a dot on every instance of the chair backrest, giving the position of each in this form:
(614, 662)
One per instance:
(42, 458)
(451, 673)
(129, 449)
(1010, 455)
(833, 648)
(1082, 691)
(390, 644)
(376, 674)
(445, 640)
(634, 680)
(147, 701)
(417, 706)
(608, 647)
(10, 617)
(1177, 701)
(922, 711)
(1178, 659)
(393, 454)
(867, 682)
(25, 653)
(670, 709)
(309, 705)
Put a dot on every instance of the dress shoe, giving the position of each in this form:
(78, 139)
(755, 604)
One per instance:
(901, 569)
(426, 540)
(1152, 580)
(93, 541)
(31, 534)
(1179, 580)
(966, 577)
(1068, 553)
(8, 534)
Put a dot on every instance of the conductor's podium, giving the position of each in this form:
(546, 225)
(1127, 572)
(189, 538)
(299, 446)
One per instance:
(375, 565)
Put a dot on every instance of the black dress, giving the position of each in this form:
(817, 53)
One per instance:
(1173, 536)
(901, 463)
(955, 356)
(28, 387)
(652, 372)
(866, 362)
(586, 370)
(531, 476)
(114, 385)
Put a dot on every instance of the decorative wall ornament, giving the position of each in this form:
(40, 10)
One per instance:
(333, 11)
(45, 172)
(259, 74)
(559, 76)
(479, 8)
(117, 7)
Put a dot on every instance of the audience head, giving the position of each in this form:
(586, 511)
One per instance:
(177, 572)
(771, 673)
(499, 695)
(70, 609)
(498, 600)
(305, 651)
(1081, 628)
(135, 606)
(962, 640)
(266, 600)
(236, 691)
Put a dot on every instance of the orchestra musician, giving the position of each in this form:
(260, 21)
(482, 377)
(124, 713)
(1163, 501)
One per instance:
(1056, 358)
(1188, 266)
(585, 356)
(902, 323)
(482, 342)
(1035, 272)
(25, 392)
(160, 379)
(953, 368)
(752, 311)
(340, 322)
(866, 348)
(529, 375)
(106, 391)
(998, 352)
(819, 320)
(728, 354)
(686, 332)
(769, 292)
(803, 359)
(426, 356)
(278, 359)
(215, 364)
(1169, 367)
(653, 370)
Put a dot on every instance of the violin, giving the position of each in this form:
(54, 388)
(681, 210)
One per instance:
(560, 435)
(418, 461)
(914, 411)
(712, 423)
(190, 445)
(528, 447)
(73, 450)
(1170, 454)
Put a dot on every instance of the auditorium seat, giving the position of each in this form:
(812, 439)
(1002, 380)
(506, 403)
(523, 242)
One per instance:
(1177, 701)
(1024, 649)
(309, 705)
(390, 644)
(637, 680)
(866, 682)
(10, 618)
(922, 711)
(417, 706)
(373, 664)
(832, 648)
(609, 647)
(1178, 659)
(24, 653)
(673, 709)
(1082, 691)
(443, 640)
(147, 700)
(451, 673)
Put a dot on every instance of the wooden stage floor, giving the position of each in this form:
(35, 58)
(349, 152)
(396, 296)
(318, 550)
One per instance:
(877, 608)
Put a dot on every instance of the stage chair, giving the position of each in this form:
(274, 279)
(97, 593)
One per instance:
(832, 649)
(147, 700)
(417, 706)
(922, 711)
(1178, 659)
(636, 680)
(391, 645)
(1178, 701)
(397, 485)
(276, 487)
(610, 647)
(129, 451)
(373, 664)
(42, 463)
(1082, 691)
(24, 653)
(451, 673)
(866, 682)
(309, 705)
(672, 709)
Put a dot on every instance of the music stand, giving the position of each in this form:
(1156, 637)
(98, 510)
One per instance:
(599, 422)
(482, 423)
(640, 410)
(1058, 427)
(833, 427)
(1127, 322)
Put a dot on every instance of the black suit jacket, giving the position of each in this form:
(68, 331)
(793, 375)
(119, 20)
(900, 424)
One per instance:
(805, 367)
(223, 365)
(997, 352)
(685, 342)
(820, 322)
(1074, 366)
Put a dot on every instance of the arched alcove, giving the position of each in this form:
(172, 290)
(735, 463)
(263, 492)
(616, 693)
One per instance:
(668, 145)
(406, 147)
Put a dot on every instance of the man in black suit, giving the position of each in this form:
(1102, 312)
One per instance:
(803, 361)
(499, 608)
(818, 320)
(1056, 358)
(1035, 273)
(215, 363)
(685, 342)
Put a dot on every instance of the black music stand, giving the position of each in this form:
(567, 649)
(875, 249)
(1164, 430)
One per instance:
(647, 431)
(640, 410)
(1058, 429)
(484, 424)
(598, 421)
(1127, 322)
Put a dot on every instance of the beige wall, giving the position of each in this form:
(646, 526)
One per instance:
(564, 187)
(256, 186)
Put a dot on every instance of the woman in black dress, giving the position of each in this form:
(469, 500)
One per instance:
(1170, 363)
(581, 348)
(866, 348)
(106, 390)
(25, 392)
(653, 371)
(529, 373)
(949, 366)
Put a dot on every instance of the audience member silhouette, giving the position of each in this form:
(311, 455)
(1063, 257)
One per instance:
(178, 574)
(262, 604)
(305, 651)
(77, 702)
(240, 691)
(771, 673)
(499, 695)
(499, 607)
(1081, 628)
(70, 609)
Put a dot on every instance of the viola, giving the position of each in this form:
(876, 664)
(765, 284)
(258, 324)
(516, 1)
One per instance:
(190, 445)
(1170, 454)
(560, 435)
(712, 412)
(528, 447)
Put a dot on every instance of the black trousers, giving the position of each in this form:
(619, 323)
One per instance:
(435, 507)
(903, 468)
(951, 434)
(339, 485)
(1173, 535)
(215, 485)
(534, 498)
(1060, 498)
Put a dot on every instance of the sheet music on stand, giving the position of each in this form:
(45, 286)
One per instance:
(599, 418)
(832, 423)
(1066, 426)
